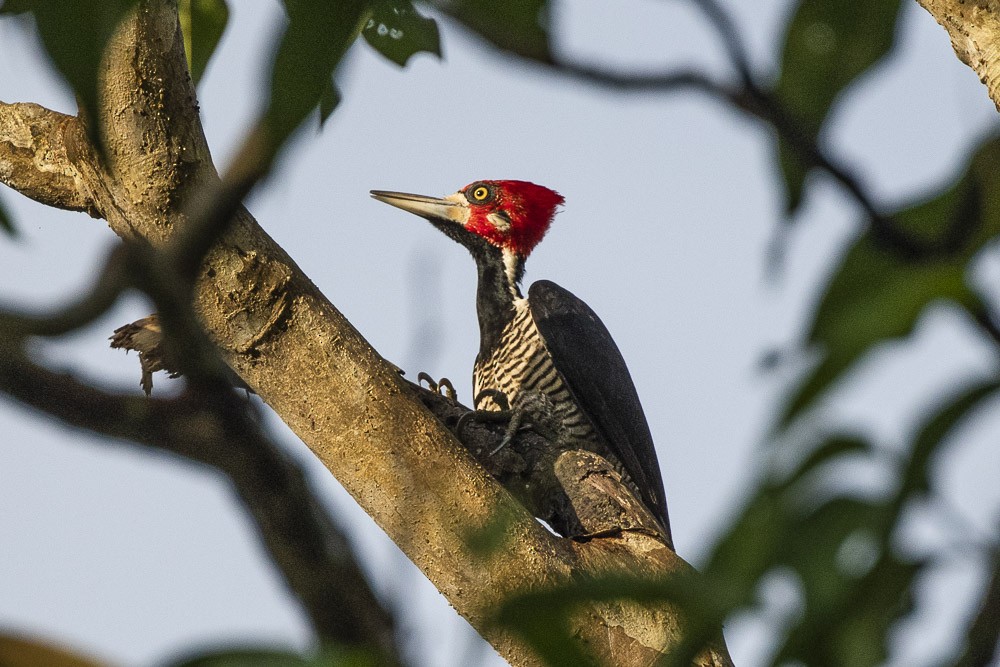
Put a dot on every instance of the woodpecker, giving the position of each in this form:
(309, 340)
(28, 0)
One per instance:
(550, 345)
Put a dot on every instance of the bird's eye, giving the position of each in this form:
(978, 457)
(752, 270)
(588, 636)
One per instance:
(479, 193)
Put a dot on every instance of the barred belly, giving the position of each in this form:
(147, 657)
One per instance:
(519, 365)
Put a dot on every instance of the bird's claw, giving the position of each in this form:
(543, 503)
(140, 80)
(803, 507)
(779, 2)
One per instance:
(499, 399)
(513, 426)
(485, 416)
(442, 386)
(424, 377)
(447, 389)
(517, 417)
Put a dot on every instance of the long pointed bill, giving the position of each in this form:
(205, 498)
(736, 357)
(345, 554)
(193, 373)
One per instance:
(453, 208)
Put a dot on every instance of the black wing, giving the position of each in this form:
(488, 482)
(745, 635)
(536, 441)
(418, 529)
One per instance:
(593, 369)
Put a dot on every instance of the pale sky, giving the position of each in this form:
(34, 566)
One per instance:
(671, 202)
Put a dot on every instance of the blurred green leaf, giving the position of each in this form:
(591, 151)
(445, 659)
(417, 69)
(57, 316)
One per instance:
(18, 651)
(520, 26)
(851, 605)
(852, 628)
(879, 290)
(542, 616)
(329, 656)
(916, 477)
(981, 642)
(329, 102)
(544, 625)
(398, 31)
(750, 546)
(490, 538)
(872, 298)
(16, 6)
(249, 657)
(75, 33)
(828, 44)
(319, 32)
(818, 536)
(877, 602)
(829, 451)
(203, 22)
(6, 222)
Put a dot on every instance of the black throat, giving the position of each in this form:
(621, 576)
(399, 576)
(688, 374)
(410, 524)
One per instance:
(495, 294)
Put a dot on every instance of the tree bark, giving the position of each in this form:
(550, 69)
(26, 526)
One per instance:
(974, 28)
(291, 346)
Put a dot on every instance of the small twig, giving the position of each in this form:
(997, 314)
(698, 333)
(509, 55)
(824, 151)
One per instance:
(109, 285)
(664, 82)
(726, 28)
(748, 96)
(183, 338)
(764, 106)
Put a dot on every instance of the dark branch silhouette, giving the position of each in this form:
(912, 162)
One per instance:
(219, 429)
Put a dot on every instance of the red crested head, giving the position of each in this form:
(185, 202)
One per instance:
(512, 215)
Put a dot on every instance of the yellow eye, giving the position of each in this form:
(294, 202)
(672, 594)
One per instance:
(480, 192)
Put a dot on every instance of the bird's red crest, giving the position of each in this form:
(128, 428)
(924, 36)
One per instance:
(511, 214)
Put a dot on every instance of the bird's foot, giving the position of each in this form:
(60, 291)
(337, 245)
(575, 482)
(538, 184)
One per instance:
(519, 419)
(442, 386)
(529, 411)
(502, 414)
(513, 418)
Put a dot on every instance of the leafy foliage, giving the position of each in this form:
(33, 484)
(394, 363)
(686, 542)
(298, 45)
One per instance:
(520, 26)
(829, 44)
(318, 35)
(329, 102)
(266, 657)
(398, 31)
(880, 288)
(855, 586)
(203, 23)
(836, 545)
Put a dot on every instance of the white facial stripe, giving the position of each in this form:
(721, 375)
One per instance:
(499, 221)
(510, 263)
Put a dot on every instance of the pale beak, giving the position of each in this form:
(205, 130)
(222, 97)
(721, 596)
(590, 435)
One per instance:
(453, 208)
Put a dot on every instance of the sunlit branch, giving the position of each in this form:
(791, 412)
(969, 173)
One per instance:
(217, 202)
(35, 149)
